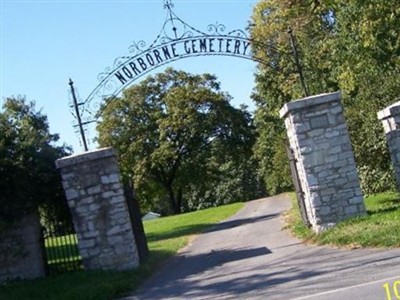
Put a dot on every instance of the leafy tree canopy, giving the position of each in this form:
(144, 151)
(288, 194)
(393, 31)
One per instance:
(175, 132)
(352, 46)
(28, 177)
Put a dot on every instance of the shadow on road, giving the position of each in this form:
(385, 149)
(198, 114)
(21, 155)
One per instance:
(202, 262)
(232, 283)
(272, 266)
(200, 228)
(241, 222)
(267, 278)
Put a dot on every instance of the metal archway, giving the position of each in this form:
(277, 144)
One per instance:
(176, 40)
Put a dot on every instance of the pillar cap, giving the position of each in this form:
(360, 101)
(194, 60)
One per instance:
(309, 101)
(389, 111)
(86, 156)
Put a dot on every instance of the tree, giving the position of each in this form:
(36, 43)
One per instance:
(352, 46)
(368, 48)
(171, 131)
(28, 177)
(278, 77)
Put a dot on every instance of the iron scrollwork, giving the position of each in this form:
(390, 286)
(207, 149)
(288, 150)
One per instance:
(176, 40)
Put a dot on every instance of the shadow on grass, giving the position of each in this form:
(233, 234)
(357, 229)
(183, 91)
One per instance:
(63, 258)
(62, 252)
(199, 228)
(64, 267)
(384, 210)
(88, 285)
(387, 206)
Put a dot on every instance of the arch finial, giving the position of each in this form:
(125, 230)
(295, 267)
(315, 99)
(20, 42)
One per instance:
(168, 4)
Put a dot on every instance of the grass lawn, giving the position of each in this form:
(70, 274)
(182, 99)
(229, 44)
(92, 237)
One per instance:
(165, 237)
(380, 228)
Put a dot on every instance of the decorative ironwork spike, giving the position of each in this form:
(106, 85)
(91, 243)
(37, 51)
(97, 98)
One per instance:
(168, 4)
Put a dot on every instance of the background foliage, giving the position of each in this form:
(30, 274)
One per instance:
(184, 145)
(188, 148)
(352, 46)
(28, 177)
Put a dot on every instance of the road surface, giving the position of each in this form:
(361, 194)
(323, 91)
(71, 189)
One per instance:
(250, 256)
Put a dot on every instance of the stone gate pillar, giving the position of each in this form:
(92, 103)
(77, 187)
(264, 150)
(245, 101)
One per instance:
(320, 141)
(390, 118)
(95, 195)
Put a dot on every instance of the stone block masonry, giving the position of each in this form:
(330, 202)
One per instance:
(95, 195)
(318, 135)
(21, 250)
(390, 118)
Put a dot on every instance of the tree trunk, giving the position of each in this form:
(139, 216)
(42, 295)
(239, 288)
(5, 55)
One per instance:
(174, 205)
(179, 199)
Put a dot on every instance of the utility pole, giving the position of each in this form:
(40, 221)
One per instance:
(297, 62)
(78, 115)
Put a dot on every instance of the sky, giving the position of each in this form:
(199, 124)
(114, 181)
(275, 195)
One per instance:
(43, 43)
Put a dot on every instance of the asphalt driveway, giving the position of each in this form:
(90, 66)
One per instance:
(250, 256)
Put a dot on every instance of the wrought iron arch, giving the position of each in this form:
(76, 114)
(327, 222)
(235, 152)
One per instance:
(176, 40)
